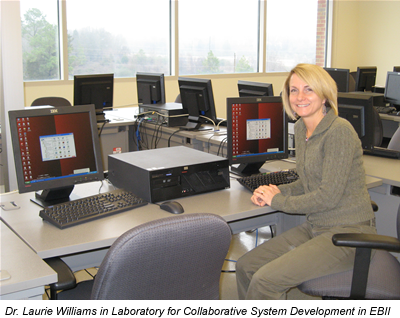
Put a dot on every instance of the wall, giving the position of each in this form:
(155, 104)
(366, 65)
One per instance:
(379, 36)
(366, 33)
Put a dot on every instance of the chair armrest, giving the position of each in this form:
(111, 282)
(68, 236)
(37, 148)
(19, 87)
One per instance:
(66, 278)
(374, 241)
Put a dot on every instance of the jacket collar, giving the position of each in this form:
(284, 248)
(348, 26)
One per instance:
(324, 124)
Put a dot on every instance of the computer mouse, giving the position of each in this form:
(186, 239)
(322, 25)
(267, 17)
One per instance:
(172, 207)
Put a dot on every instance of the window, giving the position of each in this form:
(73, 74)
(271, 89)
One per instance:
(122, 37)
(295, 33)
(214, 36)
(218, 36)
(40, 40)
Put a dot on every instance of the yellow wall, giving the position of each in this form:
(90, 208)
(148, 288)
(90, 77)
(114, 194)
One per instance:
(364, 33)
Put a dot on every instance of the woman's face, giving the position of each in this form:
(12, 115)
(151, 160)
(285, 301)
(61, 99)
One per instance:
(303, 100)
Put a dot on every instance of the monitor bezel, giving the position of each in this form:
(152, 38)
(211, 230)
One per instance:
(187, 84)
(332, 71)
(93, 79)
(254, 89)
(254, 162)
(143, 78)
(393, 101)
(361, 73)
(59, 182)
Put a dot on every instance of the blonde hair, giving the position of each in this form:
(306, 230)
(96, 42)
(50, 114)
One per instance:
(319, 81)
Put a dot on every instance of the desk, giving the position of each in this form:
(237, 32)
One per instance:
(47, 241)
(232, 204)
(29, 273)
(388, 170)
(116, 135)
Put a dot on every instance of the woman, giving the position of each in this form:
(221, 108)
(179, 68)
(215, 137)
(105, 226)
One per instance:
(331, 193)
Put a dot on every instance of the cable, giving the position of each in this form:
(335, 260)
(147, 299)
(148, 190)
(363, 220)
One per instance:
(169, 139)
(208, 143)
(102, 126)
(138, 134)
(220, 145)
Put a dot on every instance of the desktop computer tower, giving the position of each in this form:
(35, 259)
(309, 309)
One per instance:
(168, 173)
(164, 114)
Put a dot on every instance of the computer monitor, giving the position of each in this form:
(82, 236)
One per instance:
(392, 89)
(250, 89)
(54, 149)
(198, 101)
(341, 76)
(257, 132)
(396, 69)
(150, 88)
(365, 78)
(358, 110)
(97, 89)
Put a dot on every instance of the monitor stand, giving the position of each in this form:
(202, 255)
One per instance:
(49, 197)
(247, 169)
(194, 126)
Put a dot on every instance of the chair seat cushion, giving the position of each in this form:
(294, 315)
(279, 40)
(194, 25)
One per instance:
(383, 280)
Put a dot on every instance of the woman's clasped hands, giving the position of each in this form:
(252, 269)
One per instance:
(263, 195)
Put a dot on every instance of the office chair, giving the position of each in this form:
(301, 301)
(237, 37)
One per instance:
(178, 257)
(52, 101)
(394, 142)
(376, 278)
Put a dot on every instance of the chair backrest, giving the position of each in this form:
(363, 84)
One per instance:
(52, 101)
(394, 142)
(178, 257)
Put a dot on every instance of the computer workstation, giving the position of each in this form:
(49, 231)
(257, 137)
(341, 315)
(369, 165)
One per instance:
(97, 89)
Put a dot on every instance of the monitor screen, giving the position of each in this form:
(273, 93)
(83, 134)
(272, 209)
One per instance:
(341, 76)
(197, 101)
(358, 110)
(54, 149)
(365, 78)
(257, 132)
(392, 89)
(150, 88)
(95, 89)
(250, 89)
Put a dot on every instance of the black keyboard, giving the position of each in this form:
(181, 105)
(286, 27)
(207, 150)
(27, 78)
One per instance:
(385, 109)
(382, 152)
(90, 208)
(277, 178)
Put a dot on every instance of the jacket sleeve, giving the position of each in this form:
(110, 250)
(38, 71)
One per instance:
(338, 155)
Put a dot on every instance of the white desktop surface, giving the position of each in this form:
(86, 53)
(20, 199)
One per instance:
(29, 273)
(47, 241)
(386, 169)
